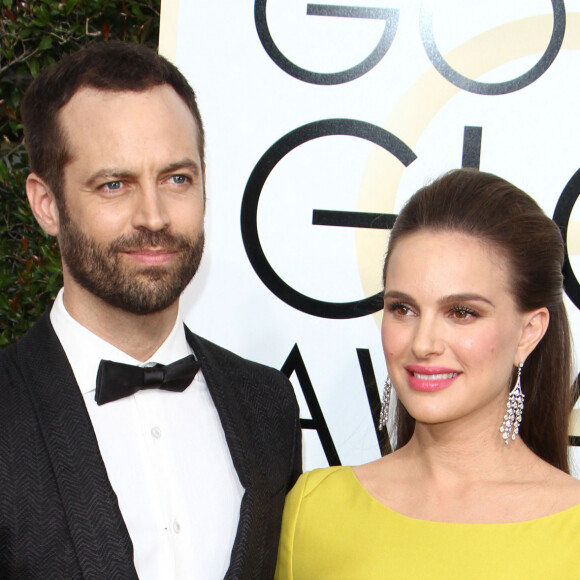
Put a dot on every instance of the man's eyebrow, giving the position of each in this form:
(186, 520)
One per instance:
(111, 174)
(186, 163)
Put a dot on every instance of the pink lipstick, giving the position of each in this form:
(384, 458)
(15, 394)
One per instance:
(430, 378)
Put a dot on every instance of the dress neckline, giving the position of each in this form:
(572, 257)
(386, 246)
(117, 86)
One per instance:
(364, 491)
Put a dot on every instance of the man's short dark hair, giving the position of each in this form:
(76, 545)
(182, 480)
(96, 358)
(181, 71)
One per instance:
(107, 66)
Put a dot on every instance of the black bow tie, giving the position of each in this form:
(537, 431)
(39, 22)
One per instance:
(118, 380)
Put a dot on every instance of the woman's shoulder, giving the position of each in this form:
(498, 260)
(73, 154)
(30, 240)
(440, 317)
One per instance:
(561, 491)
(323, 478)
(320, 493)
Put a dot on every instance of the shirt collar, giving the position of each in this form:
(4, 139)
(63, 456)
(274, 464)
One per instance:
(85, 350)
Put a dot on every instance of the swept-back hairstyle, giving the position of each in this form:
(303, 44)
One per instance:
(107, 66)
(508, 220)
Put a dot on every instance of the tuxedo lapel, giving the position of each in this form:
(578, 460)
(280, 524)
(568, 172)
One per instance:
(223, 397)
(260, 438)
(97, 529)
(224, 400)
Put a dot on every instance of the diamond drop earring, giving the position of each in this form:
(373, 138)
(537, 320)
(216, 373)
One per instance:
(384, 416)
(515, 407)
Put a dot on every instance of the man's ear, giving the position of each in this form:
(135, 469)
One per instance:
(43, 204)
(535, 326)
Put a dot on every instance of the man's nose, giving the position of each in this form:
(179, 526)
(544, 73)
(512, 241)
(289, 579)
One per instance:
(150, 210)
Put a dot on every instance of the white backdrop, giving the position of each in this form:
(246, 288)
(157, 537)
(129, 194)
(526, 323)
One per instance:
(483, 82)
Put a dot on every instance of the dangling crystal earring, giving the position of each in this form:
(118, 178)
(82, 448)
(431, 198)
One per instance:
(515, 408)
(384, 416)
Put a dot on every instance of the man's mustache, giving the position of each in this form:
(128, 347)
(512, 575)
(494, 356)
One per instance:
(146, 239)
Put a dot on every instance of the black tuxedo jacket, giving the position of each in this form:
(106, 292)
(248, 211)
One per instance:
(59, 516)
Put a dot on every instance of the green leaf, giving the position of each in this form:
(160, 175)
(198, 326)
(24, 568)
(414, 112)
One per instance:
(45, 43)
(33, 67)
(42, 14)
(69, 6)
(4, 303)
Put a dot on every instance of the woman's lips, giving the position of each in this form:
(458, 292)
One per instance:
(430, 378)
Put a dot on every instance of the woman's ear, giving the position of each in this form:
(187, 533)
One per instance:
(43, 204)
(535, 326)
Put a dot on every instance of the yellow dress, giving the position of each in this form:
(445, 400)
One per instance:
(334, 529)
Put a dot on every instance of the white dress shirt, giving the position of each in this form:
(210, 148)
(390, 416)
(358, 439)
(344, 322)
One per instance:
(166, 457)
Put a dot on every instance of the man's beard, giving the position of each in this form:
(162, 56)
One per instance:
(137, 290)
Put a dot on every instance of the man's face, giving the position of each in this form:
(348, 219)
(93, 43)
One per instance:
(131, 220)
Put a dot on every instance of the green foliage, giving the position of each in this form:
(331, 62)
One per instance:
(33, 35)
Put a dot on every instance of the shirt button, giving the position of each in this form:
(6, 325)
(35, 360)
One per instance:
(155, 432)
(176, 527)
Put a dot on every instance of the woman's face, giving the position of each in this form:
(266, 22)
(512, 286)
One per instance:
(451, 330)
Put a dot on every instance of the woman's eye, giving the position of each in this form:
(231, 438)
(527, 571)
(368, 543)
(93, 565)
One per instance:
(463, 313)
(399, 309)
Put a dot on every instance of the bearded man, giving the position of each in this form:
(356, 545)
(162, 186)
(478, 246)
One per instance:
(132, 448)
